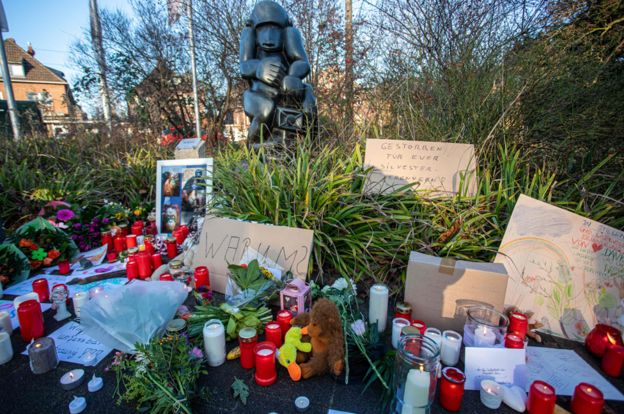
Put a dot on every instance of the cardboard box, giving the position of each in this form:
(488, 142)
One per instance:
(225, 241)
(440, 289)
(190, 148)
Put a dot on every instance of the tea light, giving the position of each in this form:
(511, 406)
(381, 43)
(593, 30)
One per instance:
(613, 360)
(378, 306)
(5, 322)
(214, 342)
(80, 299)
(41, 288)
(42, 355)
(542, 398)
(420, 325)
(397, 325)
(23, 298)
(518, 324)
(77, 405)
(266, 373)
(491, 394)
(416, 395)
(435, 335)
(302, 404)
(451, 348)
(72, 379)
(6, 349)
(484, 337)
(587, 399)
(95, 384)
(273, 333)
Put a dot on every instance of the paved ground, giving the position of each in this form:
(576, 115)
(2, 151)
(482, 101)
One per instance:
(23, 392)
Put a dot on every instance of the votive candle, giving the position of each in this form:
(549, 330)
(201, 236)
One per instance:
(31, 320)
(172, 248)
(435, 335)
(156, 260)
(41, 288)
(484, 336)
(403, 310)
(542, 398)
(518, 324)
(202, 277)
(119, 244)
(72, 379)
(273, 333)
(514, 341)
(23, 298)
(132, 269)
(420, 325)
(491, 394)
(247, 339)
(416, 395)
(451, 348)
(452, 388)
(42, 355)
(283, 319)
(6, 348)
(613, 360)
(131, 241)
(266, 374)
(5, 322)
(214, 342)
(80, 299)
(587, 399)
(378, 306)
(144, 262)
(397, 325)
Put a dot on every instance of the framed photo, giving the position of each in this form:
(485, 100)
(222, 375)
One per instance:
(182, 186)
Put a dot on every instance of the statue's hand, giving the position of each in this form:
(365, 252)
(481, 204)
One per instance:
(292, 85)
(271, 72)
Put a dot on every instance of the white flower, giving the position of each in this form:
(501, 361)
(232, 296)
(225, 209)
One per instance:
(358, 327)
(340, 284)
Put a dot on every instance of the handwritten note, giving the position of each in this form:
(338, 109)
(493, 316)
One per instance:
(7, 306)
(73, 345)
(435, 166)
(503, 365)
(565, 268)
(564, 369)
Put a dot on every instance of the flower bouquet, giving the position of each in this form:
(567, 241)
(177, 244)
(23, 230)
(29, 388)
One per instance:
(59, 213)
(43, 244)
(113, 214)
(250, 282)
(14, 265)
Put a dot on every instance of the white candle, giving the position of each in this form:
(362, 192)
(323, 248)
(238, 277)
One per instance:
(491, 394)
(24, 298)
(80, 299)
(451, 348)
(416, 393)
(95, 384)
(5, 322)
(484, 336)
(378, 306)
(265, 352)
(72, 379)
(214, 342)
(435, 335)
(6, 349)
(77, 405)
(397, 325)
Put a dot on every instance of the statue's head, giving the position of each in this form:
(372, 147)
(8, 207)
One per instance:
(269, 20)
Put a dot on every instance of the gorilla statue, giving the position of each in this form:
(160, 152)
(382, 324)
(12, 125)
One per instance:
(274, 61)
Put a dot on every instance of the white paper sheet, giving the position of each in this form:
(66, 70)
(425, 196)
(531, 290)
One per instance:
(7, 306)
(503, 365)
(564, 370)
(73, 345)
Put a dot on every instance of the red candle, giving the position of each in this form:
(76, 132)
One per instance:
(613, 360)
(273, 333)
(283, 319)
(179, 235)
(132, 269)
(403, 310)
(202, 277)
(41, 288)
(131, 241)
(172, 248)
(514, 341)
(119, 243)
(166, 277)
(266, 374)
(247, 339)
(587, 399)
(151, 227)
(144, 260)
(147, 242)
(185, 230)
(30, 319)
(420, 325)
(137, 228)
(64, 267)
(107, 240)
(602, 335)
(542, 398)
(111, 257)
(156, 260)
(452, 388)
(123, 230)
(518, 324)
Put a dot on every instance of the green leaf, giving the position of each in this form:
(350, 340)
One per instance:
(231, 327)
(240, 389)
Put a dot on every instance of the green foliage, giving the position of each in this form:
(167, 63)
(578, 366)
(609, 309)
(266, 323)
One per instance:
(240, 390)
(234, 319)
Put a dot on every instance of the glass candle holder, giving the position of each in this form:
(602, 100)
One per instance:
(613, 360)
(247, 339)
(587, 399)
(283, 319)
(518, 324)
(420, 325)
(451, 348)
(415, 374)
(452, 388)
(397, 326)
(273, 333)
(266, 374)
(602, 336)
(41, 287)
(542, 398)
(485, 327)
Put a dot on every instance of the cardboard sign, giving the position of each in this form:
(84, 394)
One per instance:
(567, 269)
(435, 166)
(441, 290)
(187, 143)
(225, 241)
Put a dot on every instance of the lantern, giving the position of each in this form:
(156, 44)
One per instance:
(296, 297)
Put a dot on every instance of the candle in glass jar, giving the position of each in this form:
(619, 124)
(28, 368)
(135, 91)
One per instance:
(420, 325)
(273, 333)
(283, 319)
(484, 337)
(5, 322)
(214, 342)
(587, 399)
(451, 347)
(6, 348)
(613, 360)
(513, 341)
(600, 337)
(452, 388)
(79, 299)
(144, 262)
(518, 324)
(397, 325)
(41, 288)
(491, 394)
(137, 228)
(202, 277)
(119, 244)
(172, 248)
(149, 247)
(416, 394)
(156, 260)
(435, 335)
(378, 306)
(247, 339)
(542, 398)
(131, 241)
(107, 240)
(42, 355)
(266, 374)
(31, 320)
(132, 269)
(179, 236)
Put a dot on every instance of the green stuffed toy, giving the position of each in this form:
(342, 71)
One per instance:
(287, 354)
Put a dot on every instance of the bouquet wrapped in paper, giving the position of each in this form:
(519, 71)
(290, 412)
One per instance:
(43, 244)
(14, 265)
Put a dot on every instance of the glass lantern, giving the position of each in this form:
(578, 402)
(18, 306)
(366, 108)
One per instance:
(296, 297)
(415, 374)
(485, 327)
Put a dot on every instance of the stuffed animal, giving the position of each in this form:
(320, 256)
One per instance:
(325, 330)
(287, 354)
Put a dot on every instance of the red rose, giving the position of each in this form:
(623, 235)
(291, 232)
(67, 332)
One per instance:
(54, 254)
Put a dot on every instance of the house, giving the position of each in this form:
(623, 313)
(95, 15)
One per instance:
(33, 81)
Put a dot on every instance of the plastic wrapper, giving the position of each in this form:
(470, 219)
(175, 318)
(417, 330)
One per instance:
(122, 316)
(235, 296)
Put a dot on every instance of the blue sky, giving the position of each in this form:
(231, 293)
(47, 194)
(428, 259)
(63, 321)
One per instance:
(52, 26)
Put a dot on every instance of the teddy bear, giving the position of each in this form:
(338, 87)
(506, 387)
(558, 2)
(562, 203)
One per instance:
(324, 327)
(287, 354)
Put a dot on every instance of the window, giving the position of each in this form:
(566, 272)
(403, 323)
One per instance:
(17, 70)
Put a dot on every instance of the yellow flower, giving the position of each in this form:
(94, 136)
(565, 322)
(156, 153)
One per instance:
(138, 212)
(119, 215)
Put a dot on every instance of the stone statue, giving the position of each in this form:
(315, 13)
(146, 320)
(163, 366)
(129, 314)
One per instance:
(274, 61)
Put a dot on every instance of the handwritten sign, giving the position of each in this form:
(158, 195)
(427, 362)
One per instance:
(224, 241)
(503, 365)
(73, 345)
(565, 268)
(437, 167)
(188, 143)
(7, 306)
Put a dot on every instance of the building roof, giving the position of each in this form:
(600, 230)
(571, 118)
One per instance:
(34, 70)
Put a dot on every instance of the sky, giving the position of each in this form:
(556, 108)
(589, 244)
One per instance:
(52, 26)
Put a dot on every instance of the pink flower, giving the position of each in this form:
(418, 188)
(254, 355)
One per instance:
(196, 353)
(65, 214)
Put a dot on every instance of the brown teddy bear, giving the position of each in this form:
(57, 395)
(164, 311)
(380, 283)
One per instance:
(324, 327)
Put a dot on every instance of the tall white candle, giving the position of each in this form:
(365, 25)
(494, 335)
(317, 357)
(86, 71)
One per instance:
(484, 336)
(416, 394)
(378, 306)
(80, 299)
(6, 349)
(397, 325)
(214, 342)
(5, 322)
(451, 348)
